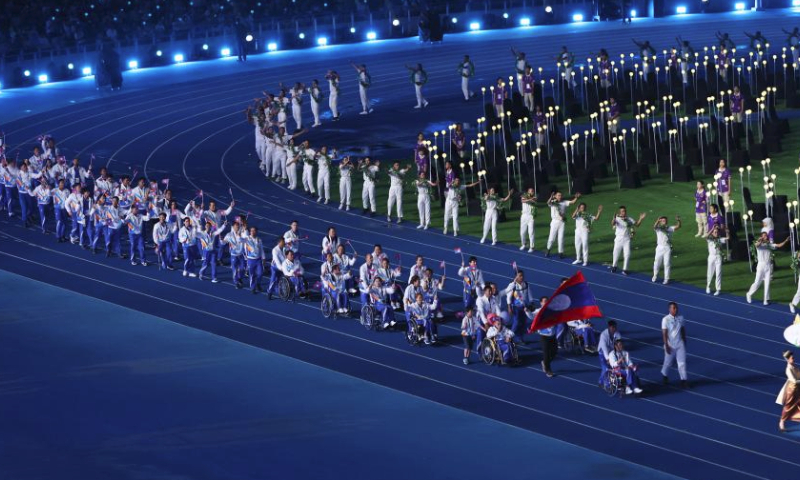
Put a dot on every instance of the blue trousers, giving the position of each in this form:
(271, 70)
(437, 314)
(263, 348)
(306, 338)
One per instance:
(96, 234)
(173, 242)
(189, 254)
(3, 201)
(209, 260)
(299, 286)
(256, 270)
(237, 266)
(630, 377)
(111, 236)
(589, 336)
(61, 226)
(43, 216)
(11, 192)
(274, 275)
(164, 254)
(469, 300)
(24, 203)
(137, 245)
(386, 311)
(504, 349)
(74, 232)
(518, 321)
(429, 324)
(603, 368)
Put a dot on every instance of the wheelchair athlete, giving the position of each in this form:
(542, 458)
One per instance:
(293, 270)
(421, 313)
(389, 276)
(502, 335)
(335, 285)
(620, 362)
(380, 297)
(585, 329)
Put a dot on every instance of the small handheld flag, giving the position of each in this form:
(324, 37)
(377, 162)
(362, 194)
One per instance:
(231, 192)
(457, 250)
(573, 300)
(514, 266)
(442, 265)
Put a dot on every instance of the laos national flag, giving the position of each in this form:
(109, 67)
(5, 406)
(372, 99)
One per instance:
(573, 300)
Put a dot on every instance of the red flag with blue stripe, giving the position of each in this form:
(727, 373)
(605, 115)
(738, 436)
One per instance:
(573, 300)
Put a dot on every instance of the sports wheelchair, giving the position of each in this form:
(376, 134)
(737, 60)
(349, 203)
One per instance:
(573, 341)
(491, 354)
(614, 382)
(286, 290)
(328, 306)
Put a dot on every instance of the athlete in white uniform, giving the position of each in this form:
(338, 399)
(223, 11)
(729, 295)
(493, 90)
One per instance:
(364, 82)
(396, 176)
(308, 156)
(466, 69)
(424, 200)
(526, 220)
(764, 251)
(419, 77)
(623, 234)
(491, 202)
(323, 175)
(333, 96)
(714, 270)
(370, 172)
(664, 246)
(297, 103)
(583, 228)
(558, 214)
(345, 183)
(316, 100)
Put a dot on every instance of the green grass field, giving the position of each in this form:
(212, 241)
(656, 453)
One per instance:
(657, 197)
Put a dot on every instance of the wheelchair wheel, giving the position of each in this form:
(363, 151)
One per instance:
(611, 383)
(488, 352)
(569, 341)
(285, 289)
(326, 305)
(412, 333)
(368, 317)
(514, 353)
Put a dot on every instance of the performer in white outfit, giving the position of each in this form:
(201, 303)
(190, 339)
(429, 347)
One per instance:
(624, 232)
(419, 77)
(324, 175)
(673, 333)
(424, 200)
(308, 156)
(452, 202)
(520, 65)
(294, 157)
(558, 211)
(527, 218)
(491, 207)
(345, 183)
(715, 254)
(764, 251)
(664, 246)
(316, 100)
(297, 103)
(364, 82)
(396, 175)
(583, 228)
(333, 95)
(370, 173)
(466, 69)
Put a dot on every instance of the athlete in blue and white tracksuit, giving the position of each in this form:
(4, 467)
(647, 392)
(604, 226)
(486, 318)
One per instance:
(44, 197)
(254, 253)
(60, 196)
(161, 238)
(276, 265)
(235, 241)
(134, 220)
(187, 236)
(208, 250)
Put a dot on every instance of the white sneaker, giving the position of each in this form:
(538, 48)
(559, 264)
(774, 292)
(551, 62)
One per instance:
(749, 298)
(716, 294)
(708, 290)
(420, 226)
(400, 220)
(347, 208)
(665, 282)
(341, 206)
(364, 112)
(386, 325)
(791, 308)
(326, 201)
(192, 275)
(455, 234)
(425, 104)
(439, 315)
(522, 248)
(585, 263)
(637, 390)
(417, 107)
(214, 280)
(494, 243)
(444, 232)
(576, 262)
(185, 273)
(628, 391)
(319, 199)
(483, 240)
(766, 302)
(654, 279)
(425, 227)
(530, 250)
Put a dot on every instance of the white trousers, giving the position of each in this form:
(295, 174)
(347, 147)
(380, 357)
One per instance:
(621, 245)
(568, 77)
(420, 99)
(291, 173)
(284, 161)
(763, 275)
(796, 298)
(362, 91)
(556, 232)
(424, 209)
(519, 84)
(278, 161)
(677, 353)
(368, 196)
(465, 87)
(395, 196)
(281, 118)
(528, 100)
(451, 211)
(663, 256)
(315, 111)
(260, 151)
(297, 114)
(345, 188)
(324, 183)
(714, 271)
(308, 178)
(490, 221)
(685, 72)
(333, 104)
(526, 230)
(582, 245)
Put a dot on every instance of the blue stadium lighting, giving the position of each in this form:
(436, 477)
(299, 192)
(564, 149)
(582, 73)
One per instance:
(249, 37)
(739, 6)
(455, 19)
(205, 46)
(372, 36)
(42, 78)
(158, 53)
(87, 71)
(525, 22)
(70, 66)
(27, 73)
(178, 58)
(548, 9)
(352, 29)
(474, 26)
(680, 10)
(633, 13)
(796, 3)
(302, 36)
(226, 52)
(272, 46)
(395, 23)
(578, 17)
(133, 64)
(322, 41)
(505, 15)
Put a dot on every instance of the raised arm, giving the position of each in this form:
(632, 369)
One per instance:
(575, 198)
(641, 217)
(677, 223)
(599, 211)
(780, 245)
